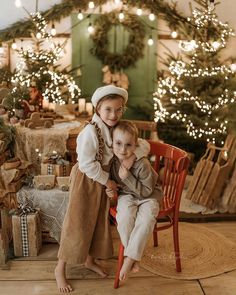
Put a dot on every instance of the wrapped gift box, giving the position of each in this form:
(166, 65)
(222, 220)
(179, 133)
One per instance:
(27, 234)
(55, 169)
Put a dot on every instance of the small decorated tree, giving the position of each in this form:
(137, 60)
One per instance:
(38, 70)
(193, 99)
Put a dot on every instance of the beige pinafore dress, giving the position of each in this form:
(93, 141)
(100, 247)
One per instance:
(86, 228)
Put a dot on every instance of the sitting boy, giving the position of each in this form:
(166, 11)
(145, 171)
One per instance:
(139, 196)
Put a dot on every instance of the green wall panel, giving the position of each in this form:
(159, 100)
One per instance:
(142, 76)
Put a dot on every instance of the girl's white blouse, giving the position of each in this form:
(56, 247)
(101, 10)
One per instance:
(87, 147)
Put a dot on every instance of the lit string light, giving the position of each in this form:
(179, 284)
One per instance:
(57, 82)
(207, 120)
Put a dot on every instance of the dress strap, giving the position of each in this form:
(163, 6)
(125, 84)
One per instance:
(99, 155)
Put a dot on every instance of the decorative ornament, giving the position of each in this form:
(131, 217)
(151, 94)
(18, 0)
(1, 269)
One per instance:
(133, 51)
(119, 79)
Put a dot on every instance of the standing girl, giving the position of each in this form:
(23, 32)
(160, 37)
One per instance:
(86, 231)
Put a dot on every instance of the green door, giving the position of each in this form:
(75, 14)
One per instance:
(142, 77)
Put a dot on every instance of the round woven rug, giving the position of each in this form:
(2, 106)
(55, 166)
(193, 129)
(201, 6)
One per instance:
(204, 253)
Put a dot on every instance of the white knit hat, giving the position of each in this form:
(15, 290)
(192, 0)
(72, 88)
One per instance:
(108, 90)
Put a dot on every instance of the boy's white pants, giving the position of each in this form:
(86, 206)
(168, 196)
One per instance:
(135, 222)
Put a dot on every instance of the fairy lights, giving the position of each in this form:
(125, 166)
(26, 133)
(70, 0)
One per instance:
(59, 87)
(197, 91)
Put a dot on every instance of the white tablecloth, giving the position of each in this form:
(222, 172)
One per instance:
(52, 204)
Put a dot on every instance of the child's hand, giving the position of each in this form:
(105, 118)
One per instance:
(128, 163)
(123, 172)
(110, 193)
(111, 185)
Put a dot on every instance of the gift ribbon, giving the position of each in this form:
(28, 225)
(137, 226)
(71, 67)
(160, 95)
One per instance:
(24, 209)
(24, 235)
(56, 159)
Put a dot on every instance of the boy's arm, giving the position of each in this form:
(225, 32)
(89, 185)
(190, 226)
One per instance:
(143, 185)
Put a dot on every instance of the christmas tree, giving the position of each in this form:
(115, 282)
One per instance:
(37, 69)
(193, 99)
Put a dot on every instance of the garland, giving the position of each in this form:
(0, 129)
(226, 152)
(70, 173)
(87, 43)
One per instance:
(131, 53)
(58, 11)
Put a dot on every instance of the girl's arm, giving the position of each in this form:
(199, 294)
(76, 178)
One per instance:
(87, 148)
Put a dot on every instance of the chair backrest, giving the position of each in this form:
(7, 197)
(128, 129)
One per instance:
(171, 163)
(146, 129)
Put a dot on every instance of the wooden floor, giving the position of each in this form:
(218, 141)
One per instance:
(34, 277)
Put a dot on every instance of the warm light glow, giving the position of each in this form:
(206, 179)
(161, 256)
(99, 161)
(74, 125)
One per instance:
(233, 67)
(175, 92)
(18, 3)
(59, 87)
(38, 35)
(91, 4)
(90, 28)
(80, 15)
(53, 30)
(174, 34)
(139, 11)
(216, 44)
(14, 45)
(150, 41)
(151, 16)
(121, 15)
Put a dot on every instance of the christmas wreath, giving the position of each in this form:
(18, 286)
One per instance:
(134, 49)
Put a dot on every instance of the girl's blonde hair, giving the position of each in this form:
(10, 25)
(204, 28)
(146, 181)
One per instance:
(127, 126)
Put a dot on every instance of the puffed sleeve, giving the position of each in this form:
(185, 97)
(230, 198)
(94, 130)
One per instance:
(87, 148)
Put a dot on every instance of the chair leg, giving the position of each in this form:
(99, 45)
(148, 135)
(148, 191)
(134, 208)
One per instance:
(176, 246)
(119, 265)
(155, 238)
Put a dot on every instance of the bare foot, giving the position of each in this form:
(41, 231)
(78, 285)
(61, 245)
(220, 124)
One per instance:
(126, 268)
(62, 284)
(92, 265)
(135, 267)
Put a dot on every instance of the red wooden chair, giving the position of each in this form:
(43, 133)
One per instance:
(172, 164)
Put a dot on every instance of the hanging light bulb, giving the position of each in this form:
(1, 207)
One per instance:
(121, 15)
(117, 1)
(38, 35)
(139, 11)
(91, 4)
(90, 28)
(211, 5)
(14, 45)
(233, 67)
(80, 15)
(151, 16)
(53, 30)
(174, 34)
(150, 41)
(215, 44)
(18, 3)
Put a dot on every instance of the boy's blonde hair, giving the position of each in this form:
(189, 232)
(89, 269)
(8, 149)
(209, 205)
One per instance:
(127, 126)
